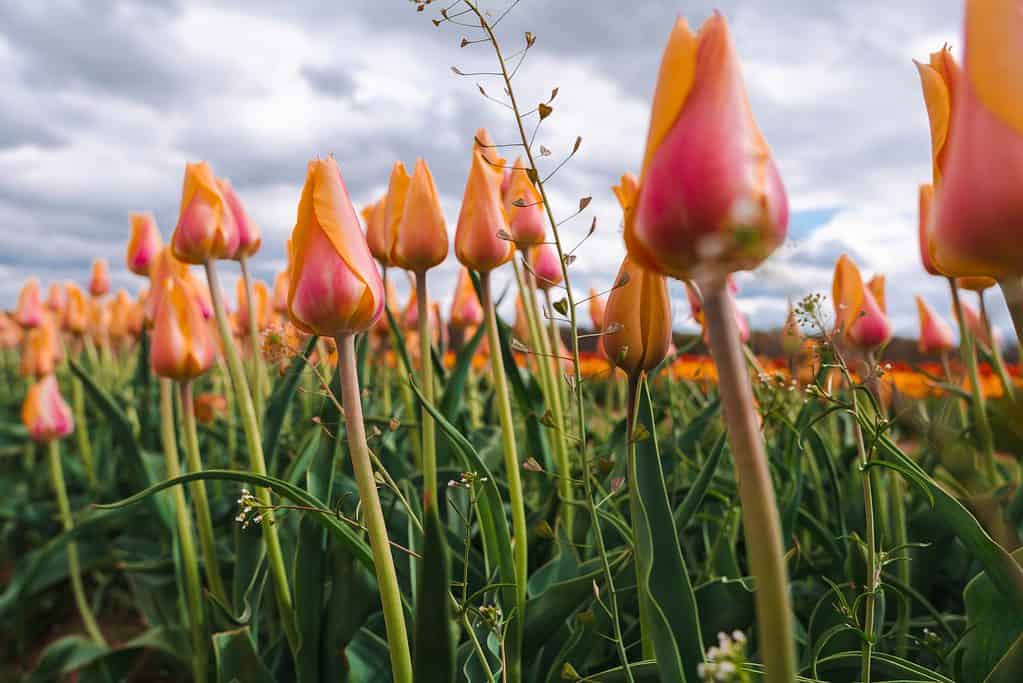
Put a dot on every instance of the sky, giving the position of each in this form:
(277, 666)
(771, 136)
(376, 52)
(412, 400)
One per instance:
(103, 101)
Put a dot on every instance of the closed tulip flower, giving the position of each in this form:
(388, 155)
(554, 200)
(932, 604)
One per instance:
(42, 351)
(712, 201)
(280, 295)
(410, 314)
(262, 297)
(29, 312)
(206, 229)
(935, 334)
(183, 346)
(249, 237)
(478, 243)
(596, 309)
(466, 311)
(76, 314)
(420, 240)
(379, 242)
(546, 266)
(45, 413)
(858, 313)
(394, 209)
(524, 208)
(56, 299)
(144, 244)
(99, 282)
(926, 243)
(165, 265)
(637, 319)
(335, 286)
(940, 77)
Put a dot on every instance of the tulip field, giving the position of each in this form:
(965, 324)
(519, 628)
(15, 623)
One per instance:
(316, 481)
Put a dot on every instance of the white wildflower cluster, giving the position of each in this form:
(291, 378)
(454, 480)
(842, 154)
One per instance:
(724, 660)
(250, 510)
(466, 481)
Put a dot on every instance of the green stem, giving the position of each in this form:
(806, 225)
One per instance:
(873, 571)
(761, 524)
(74, 569)
(387, 579)
(254, 444)
(427, 426)
(636, 514)
(82, 431)
(193, 585)
(902, 561)
(199, 499)
(256, 361)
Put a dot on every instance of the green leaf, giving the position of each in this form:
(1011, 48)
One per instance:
(280, 401)
(454, 388)
(548, 611)
(237, 660)
(434, 639)
(991, 629)
(694, 497)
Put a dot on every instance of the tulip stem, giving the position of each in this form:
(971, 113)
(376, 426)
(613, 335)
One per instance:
(383, 561)
(74, 569)
(82, 431)
(193, 585)
(636, 514)
(427, 427)
(254, 445)
(199, 499)
(256, 362)
(761, 524)
(868, 480)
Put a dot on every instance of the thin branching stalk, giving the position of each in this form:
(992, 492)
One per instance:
(427, 427)
(873, 569)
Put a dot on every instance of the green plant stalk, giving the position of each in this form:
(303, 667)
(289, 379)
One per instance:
(901, 536)
(636, 513)
(199, 499)
(520, 542)
(947, 366)
(193, 585)
(223, 384)
(256, 381)
(74, 568)
(254, 444)
(969, 356)
(387, 578)
(427, 428)
(996, 351)
(761, 523)
(472, 398)
(385, 382)
(82, 431)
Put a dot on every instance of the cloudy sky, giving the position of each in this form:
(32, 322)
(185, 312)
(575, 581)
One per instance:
(103, 101)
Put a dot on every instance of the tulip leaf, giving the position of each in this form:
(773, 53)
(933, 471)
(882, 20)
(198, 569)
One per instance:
(280, 401)
(454, 389)
(237, 659)
(434, 628)
(694, 497)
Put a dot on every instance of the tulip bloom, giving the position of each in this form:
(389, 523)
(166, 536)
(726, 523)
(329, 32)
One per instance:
(99, 282)
(712, 201)
(478, 244)
(420, 239)
(859, 314)
(208, 407)
(262, 297)
(596, 309)
(466, 310)
(29, 312)
(164, 266)
(45, 414)
(56, 299)
(926, 243)
(637, 319)
(249, 238)
(10, 332)
(940, 78)
(524, 207)
(374, 217)
(280, 295)
(546, 266)
(76, 314)
(183, 345)
(394, 209)
(935, 334)
(335, 286)
(42, 351)
(206, 230)
(145, 243)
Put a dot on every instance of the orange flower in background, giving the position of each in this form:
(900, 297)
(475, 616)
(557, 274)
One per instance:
(546, 266)
(262, 296)
(596, 309)
(466, 310)
(280, 295)
(99, 282)
(29, 311)
(249, 237)
(122, 316)
(935, 334)
(206, 230)
(939, 78)
(45, 414)
(410, 314)
(374, 218)
(711, 200)
(164, 266)
(637, 319)
(520, 329)
(42, 351)
(99, 321)
(144, 244)
(696, 310)
(76, 314)
(420, 239)
(208, 407)
(56, 299)
(183, 346)
(382, 327)
(478, 242)
(859, 315)
(335, 285)
(10, 332)
(522, 203)
(394, 209)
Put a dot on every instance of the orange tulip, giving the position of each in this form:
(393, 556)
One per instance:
(335, 285)
(10, 332)
(935, 334)
(926, 243)
(280, 296)
(42, 351)
(208, 407)
(29, 312)
(99, 321)
(206, 230)
(56, 299)
(712, 201)
(382, 327)
(410, 314)
(394, 209)
(183, 344)
(524, 207)
(546, 266)
(121, 316)
(76, 315)
(596, 309)
(164, 266)
(249, 237)
(859, 315)
(145, 243)
(940, 78)
(637, 319)
(478, 244)
(374, 218)
(520, 330)
(99, 283)
(45, 414)
(262, 297)
(420, 239)
(466, 310)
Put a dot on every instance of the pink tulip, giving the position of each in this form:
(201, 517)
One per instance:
(45, 413)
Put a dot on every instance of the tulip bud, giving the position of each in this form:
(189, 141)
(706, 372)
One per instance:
(478, 244)
(546, 266)
(394, 209)
(280, 297)
(76, 314)
(420, 240)
(206, 229)
(145, 243)
(637, 319)
(935, 334)
(42, 351)
(596, 309)
(858, 313)
(29, 312)
(56, 300)
(183, 346)
(122, 317)
(976, 283)
(940, 78)
(99, 321)
(876, 287)
(262, 297)
(466, 310)
(374, 218)
(335, 285)
(99, 283)
(711, 199)
(45, 413)
(249, 238)
(524, 207)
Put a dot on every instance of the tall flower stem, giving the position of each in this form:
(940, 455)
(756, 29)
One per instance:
(869, 480)
(761, 523)
(74, 568)
(427, 428)
(636, 512)
(82, 430)
(199, 499)
(254, 445)
(256, 381)
(383, 561)
(193, 585)
(969, 356)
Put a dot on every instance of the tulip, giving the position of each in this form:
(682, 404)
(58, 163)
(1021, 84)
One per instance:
(546, 266)
(29, 312)
(42, 351)
(249, 238)
(410, 314)
(926, 243)
(466, 311)
(99, 282)
(479, 241)
(122, 311)
(597, 306)
(45, 414)
(206, 230)
(56, 299)
(859, 310)
(209, 407)
(145, 243)
(394, 209)
(935, 334)
(637, 319)
(183, 347)
(975, 324)
(76, 315)
(280, 294)
(10, 332)
(420, 239)
(335, 286)
(696, 310)
(940, 79)
(374, 217)
(520, 329)
(524, 208)
(164, 266)
(382, 326)
(712, 201)
(262, 297)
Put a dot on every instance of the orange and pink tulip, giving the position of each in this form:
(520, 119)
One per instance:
(144, 244)
(45, 413)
